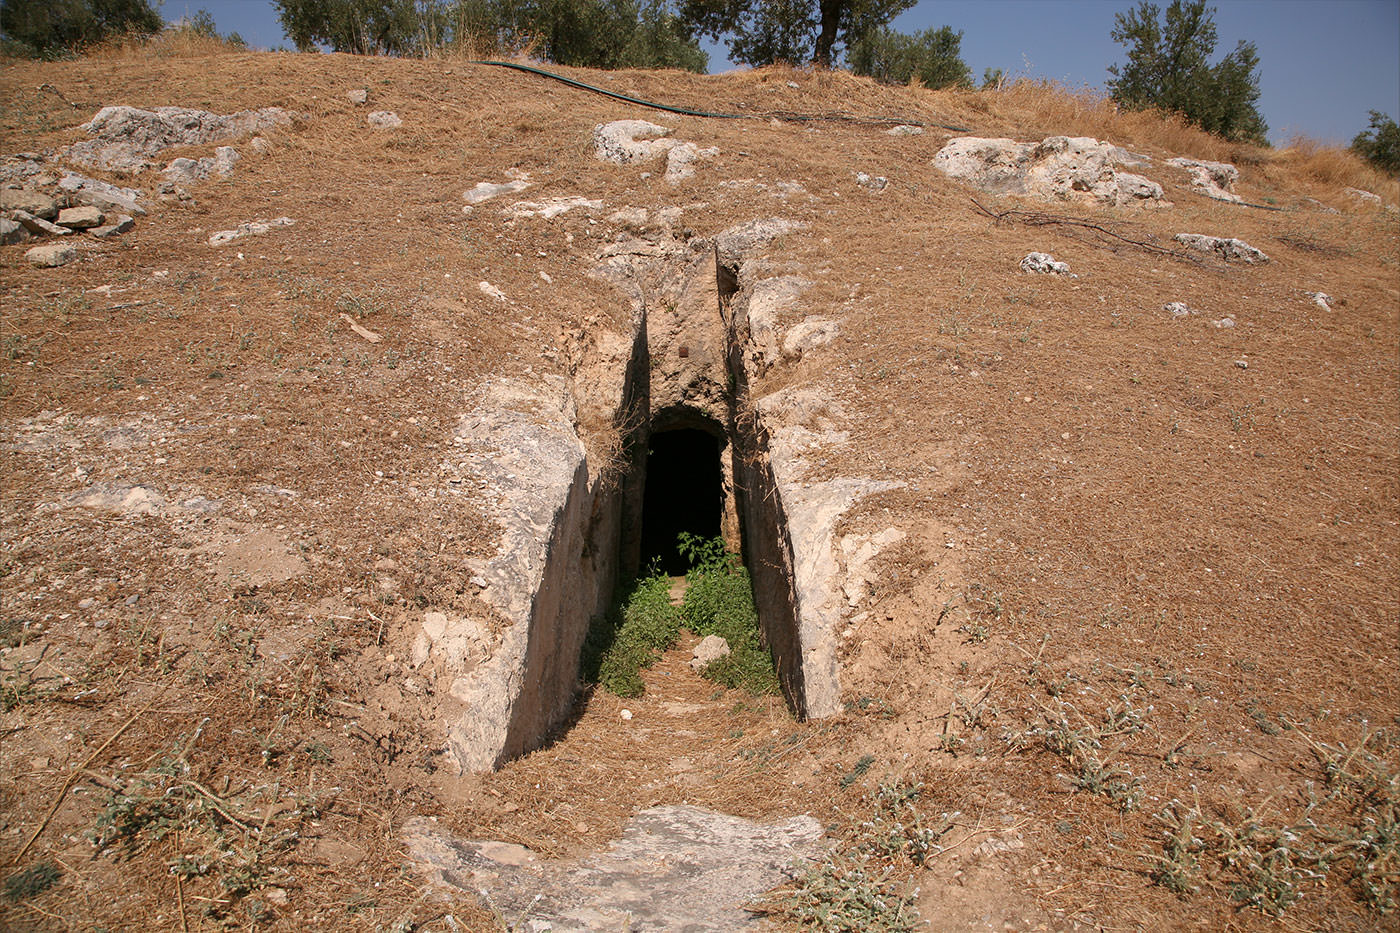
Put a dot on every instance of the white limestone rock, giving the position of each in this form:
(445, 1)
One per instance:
(710, 649)
(626, 142)
(1213, 179)
(1227, 248)
(1060, 168)
(125, 138)
(192, 171)
(681, 159)
(384, 120)
(1044, 264)
(79, 218)
(254, 228)
(120, 224)
(37, 225)
(51, 255)
(551, 207)
(808, 335)
(485, 190)
(32, 202)
(11, 231)
(102, 195)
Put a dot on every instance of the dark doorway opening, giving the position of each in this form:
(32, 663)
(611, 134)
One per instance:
(684, 493)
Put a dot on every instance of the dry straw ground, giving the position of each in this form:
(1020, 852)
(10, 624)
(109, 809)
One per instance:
(1135, 572)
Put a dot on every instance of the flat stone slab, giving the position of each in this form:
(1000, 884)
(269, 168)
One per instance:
(678, 869)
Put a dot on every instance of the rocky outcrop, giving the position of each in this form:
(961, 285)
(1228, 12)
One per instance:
(1227, 248)
(1060, 168)
(102, 195)
(192, 171)
(254, 228)
(31, 202)
(628, 142)
(552, 572)
(1212, 179)
(675, 868)
(126, 138)
(53, 254)
(1044, 264)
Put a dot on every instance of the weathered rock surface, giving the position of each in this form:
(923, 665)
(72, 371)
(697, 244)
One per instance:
(37, 225)
(710, 649)
(1213, 179)
(357, 96)
(627, 142)
(1366, 197)
(254, 228)
(191, 171)
(79, 218)
(799, 423)
(859, 552)
(125, 138)
(738, 240)
(807, 335)
(50, 255)
(101, 195)
(680, 161)
(905, 130)
(676, 868)
(485, 190)
(1179, 309)
(543, 584)
(769, 299)
(551, 207)
(1057, 168)
(872, 182)
(120, 224)
(117, 497)
(32, 202)
(1226, 247)
(11, 231)
(384, 120)
(1044, 264)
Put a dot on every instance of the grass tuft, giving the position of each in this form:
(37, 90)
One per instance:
(643, 623)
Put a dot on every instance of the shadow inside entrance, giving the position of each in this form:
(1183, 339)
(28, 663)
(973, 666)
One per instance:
(684, 493)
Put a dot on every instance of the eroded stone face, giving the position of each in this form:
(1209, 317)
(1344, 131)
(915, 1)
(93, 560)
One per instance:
(675, 868)
(125, 138)
(1061, 168)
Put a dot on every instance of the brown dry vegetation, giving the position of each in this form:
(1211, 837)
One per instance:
(1111, 524)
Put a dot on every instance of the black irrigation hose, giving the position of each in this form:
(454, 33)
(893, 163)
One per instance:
(776, 115)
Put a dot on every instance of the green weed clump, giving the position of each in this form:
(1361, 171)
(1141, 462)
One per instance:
(864, 883)
(630, 638)
(643, 623)
(235, 840)
(1350, 831)
(719, 601)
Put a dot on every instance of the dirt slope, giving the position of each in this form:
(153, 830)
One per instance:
(1135, 571)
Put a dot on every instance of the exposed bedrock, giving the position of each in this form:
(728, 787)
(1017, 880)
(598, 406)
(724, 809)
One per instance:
(563, 464)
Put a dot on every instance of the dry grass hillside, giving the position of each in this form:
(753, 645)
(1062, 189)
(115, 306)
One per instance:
(1139, 643)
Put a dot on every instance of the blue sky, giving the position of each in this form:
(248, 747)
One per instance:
(1323, 63)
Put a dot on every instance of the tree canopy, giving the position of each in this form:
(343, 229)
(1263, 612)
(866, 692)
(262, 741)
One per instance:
(583, 33)
(1168, 67)
(1379, 144)
(934, 56)
(48, 27)
(761, 32)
